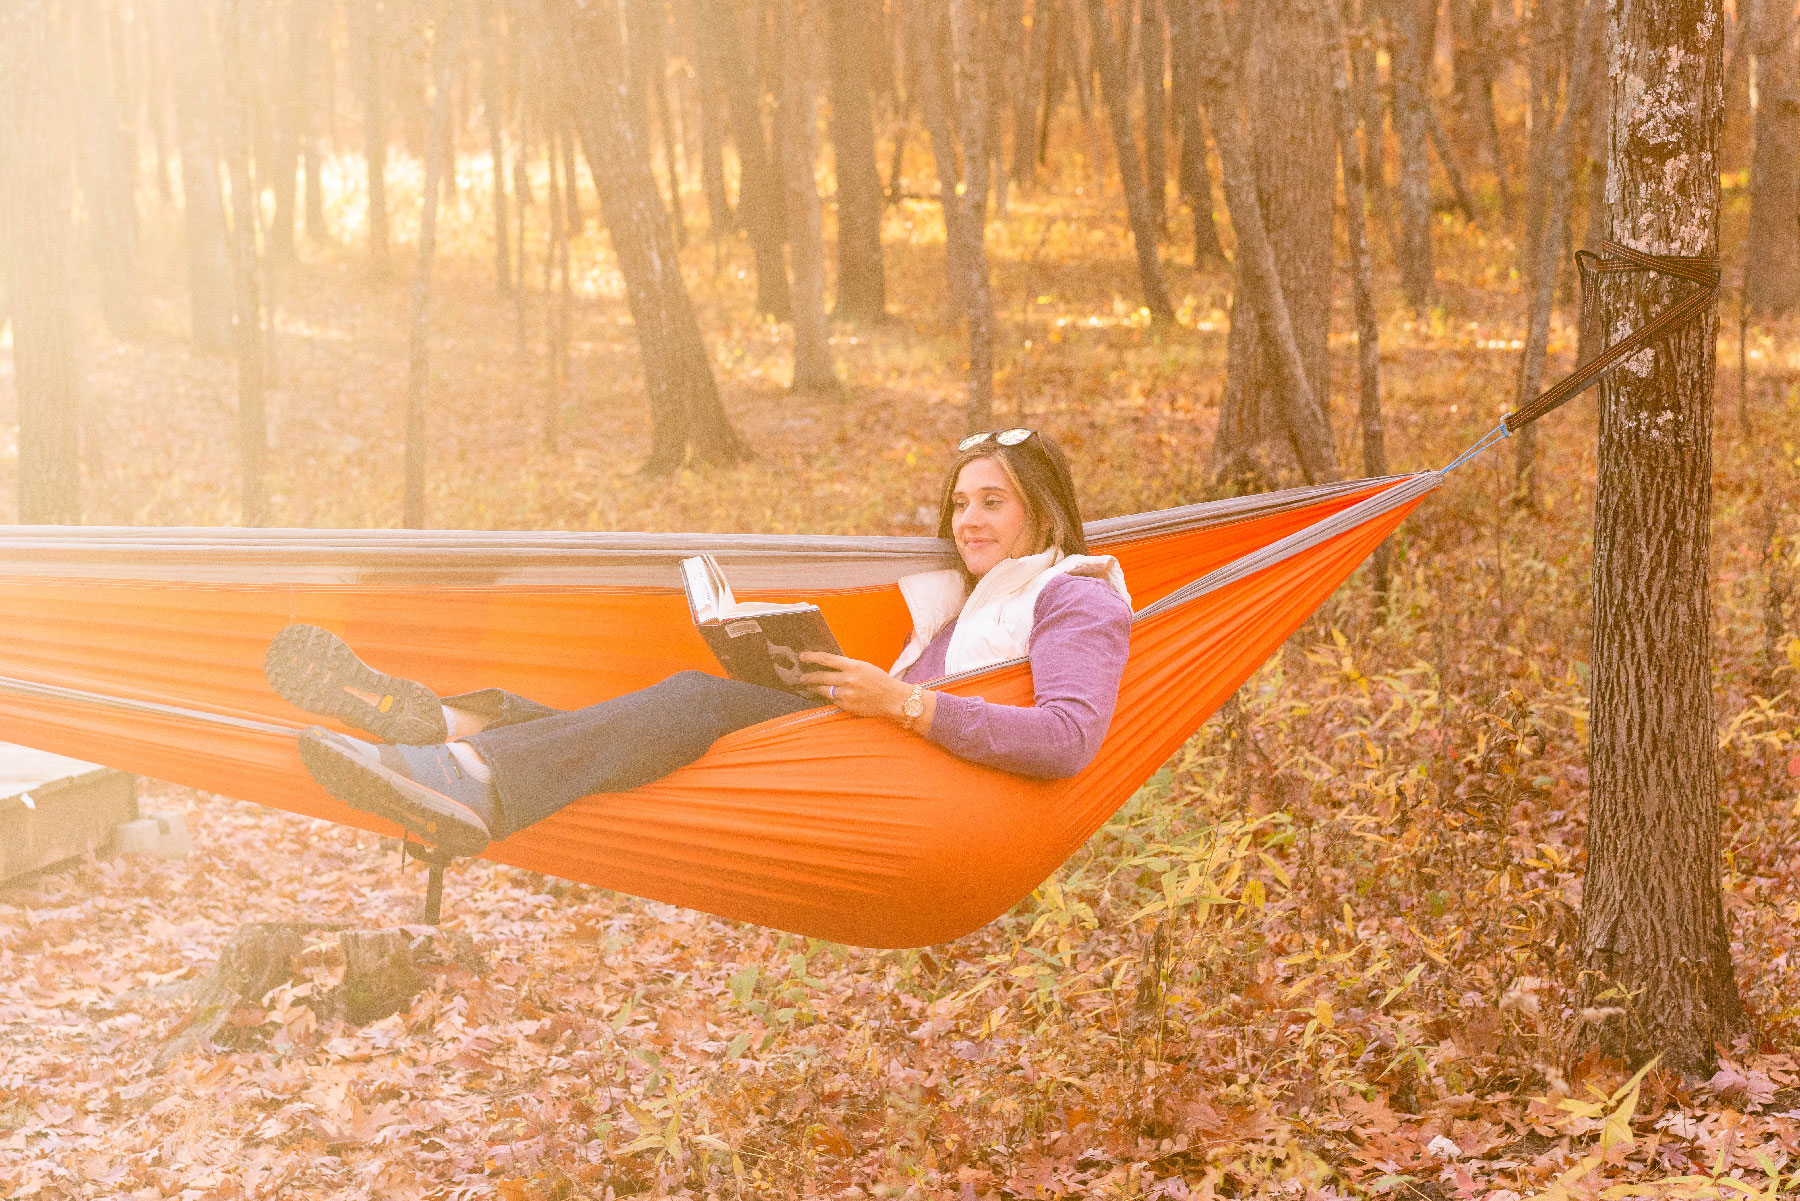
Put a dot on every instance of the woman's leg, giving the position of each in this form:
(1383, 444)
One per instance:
(539, 766)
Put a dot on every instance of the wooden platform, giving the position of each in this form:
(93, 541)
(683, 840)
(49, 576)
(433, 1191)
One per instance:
(54, 808)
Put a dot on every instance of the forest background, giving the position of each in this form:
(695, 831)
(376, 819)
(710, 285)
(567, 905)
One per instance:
(754, 266)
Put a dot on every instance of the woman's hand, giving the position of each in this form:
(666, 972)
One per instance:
(855, 686)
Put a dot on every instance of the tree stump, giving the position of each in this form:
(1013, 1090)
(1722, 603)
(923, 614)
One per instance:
(357, 977)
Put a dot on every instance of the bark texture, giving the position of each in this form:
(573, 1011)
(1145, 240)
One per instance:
(862, 280)
(1362, 277)
(1772, 265)
(1259, 297)
(1409, 56)
(1559, 150)
(1654, 945)
(1290, 116)
(584, 55)
(36, 194)
(759, 189)
(1109, 58)
(806, 237)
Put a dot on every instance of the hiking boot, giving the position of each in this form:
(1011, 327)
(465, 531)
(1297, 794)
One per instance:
(421, 788)
(316, 670)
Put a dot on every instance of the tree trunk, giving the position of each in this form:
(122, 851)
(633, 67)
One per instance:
(971, 107)
(1772, 262)
(1193, 172)
(1472, 59)
(1109, 56)
(759, 196)
(560, 160)
(108, 179)
(1031, 91)
(861, 279)
(492, 110)
(1446, 155)
(1153, 58)
(1543, 274)
(1258, 294)
(203, 209)
(719, 219)
(937, 99)
(1366, 86)
(375, 133)
(36, 196)
(584, 52)
(1547, 52)
(1734, 139)
(1287, 85)
(1654, 945)
(1599, 131)
(1362, 277)
(418, 374)
(1408, 58)
(806, 232)
(286, 166)
(376, 973)
(247, 327)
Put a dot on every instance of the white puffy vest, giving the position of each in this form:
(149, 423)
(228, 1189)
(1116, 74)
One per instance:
(993, 623)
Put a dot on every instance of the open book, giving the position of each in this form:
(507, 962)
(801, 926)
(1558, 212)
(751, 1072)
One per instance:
(755, 642)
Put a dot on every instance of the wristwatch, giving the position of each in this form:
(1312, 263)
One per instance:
(913, 707)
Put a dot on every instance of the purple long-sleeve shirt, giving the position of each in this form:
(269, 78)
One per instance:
(1080, 636)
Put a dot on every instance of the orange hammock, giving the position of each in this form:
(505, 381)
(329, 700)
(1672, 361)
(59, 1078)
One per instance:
(142, 649)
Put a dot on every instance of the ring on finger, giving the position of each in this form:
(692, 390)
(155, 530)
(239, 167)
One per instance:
(831, 692)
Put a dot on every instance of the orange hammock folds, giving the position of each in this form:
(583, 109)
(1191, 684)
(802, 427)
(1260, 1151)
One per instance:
(142, 649)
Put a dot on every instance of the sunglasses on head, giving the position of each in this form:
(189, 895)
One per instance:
(1011, 437)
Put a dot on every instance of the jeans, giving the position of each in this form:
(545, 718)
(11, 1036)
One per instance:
(542, 758)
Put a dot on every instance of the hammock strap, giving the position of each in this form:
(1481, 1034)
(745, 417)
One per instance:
(1700, 270)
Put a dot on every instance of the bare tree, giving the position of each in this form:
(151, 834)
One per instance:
(583, 52)
(246, 269)
(1559, 151)
(1362, 276)
(759, 187)
(108, 173)
(1153, 61)
(1293, 157)
(806, 235)
(1109, 57)
(36, 196)
(1259, 292)
(375, 130)
(1654, 947)
(418, 373)
(494, 117)
(1193, 173)
(1772, 264)
(1409, 57)
(861, 276)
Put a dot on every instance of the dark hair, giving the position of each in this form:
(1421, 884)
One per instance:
(1038, 469)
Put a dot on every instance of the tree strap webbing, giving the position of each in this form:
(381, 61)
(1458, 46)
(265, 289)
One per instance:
(1702, 270)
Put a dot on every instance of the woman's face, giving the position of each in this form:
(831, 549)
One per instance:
(988, 518)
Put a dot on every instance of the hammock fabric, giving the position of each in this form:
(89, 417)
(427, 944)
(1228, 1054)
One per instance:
(142, 649)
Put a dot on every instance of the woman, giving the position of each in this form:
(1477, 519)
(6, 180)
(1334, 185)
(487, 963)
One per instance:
(462, 770)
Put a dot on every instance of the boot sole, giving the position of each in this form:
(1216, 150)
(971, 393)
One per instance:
(310, 667)
(444, 821)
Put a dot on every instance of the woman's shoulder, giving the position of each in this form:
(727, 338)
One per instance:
(1087, 594)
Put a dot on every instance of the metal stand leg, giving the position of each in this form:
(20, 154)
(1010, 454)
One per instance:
(434, 883)
(434, 891)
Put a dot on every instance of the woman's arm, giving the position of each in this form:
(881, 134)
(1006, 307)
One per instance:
(1080, 637)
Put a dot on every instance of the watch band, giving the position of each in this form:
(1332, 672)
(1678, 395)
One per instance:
(913, 707)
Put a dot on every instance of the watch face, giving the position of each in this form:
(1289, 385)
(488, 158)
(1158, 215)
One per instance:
(914, 706)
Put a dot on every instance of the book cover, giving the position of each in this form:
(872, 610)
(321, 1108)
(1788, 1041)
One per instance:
(759, 643)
